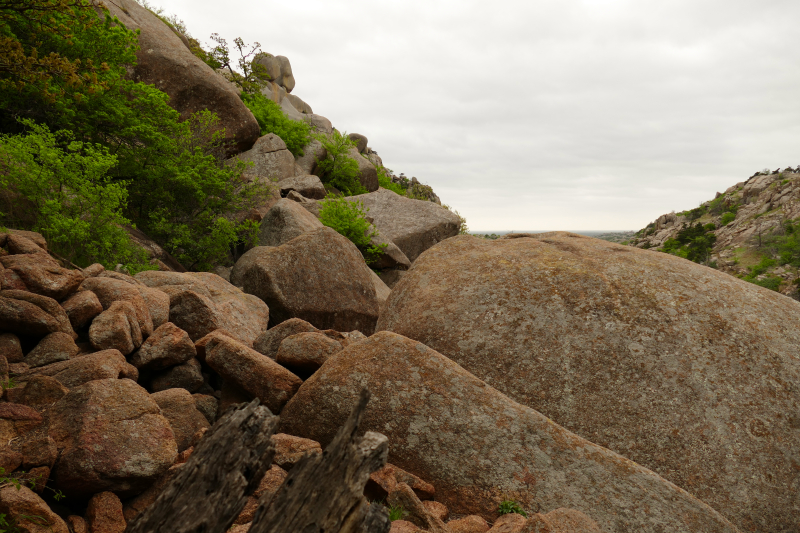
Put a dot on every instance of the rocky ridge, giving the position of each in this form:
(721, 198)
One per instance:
(746, 218)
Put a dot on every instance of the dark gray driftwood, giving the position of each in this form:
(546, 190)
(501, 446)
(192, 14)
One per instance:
(324, 493)
(212, 487)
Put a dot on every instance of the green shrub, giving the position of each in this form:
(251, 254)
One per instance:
(727, 218)
(693, 242)
(510, 506)
(397, 512)
(348, 218)
(385, 181)
(338, 168)
(272, 119)
(772, 283)
(462, 225)
(67, 195)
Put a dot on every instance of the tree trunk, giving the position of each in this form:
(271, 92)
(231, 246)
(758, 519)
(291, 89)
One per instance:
(212, 487)
(324, 493)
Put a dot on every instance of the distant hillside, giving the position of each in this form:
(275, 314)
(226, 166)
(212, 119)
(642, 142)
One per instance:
(751, 231)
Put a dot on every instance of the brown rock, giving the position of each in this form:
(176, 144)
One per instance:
(436, 509)
(360, 140)
(319, 276)
(110, 290)
(10, 348)
(93, 270)
(116, 328)
(478, 447)
(167, 346)
(10, 280)
(201, 302)
(192, 86)
(111, 436)
(28, 512)
(367, 173)
(136, 505)
(81, 308)
(105, 364)
(413, 225)
(37, 449)
(16, 420)
(266, 490)
(230, 395)
(306, 352)
(284, 221)
(382, 292)
(416, 513)
(256, 374)
(53, 348)
(561, 521)
(200, 345)
(42, 391)
(20, 244)
(186, 376)
(178, 406)
(289, 449)
(157, 303)
(10, 459)
(270, 159)
(104, 514)
(77, 524)
(42, 275)
(468, 524)
(401, 526)
(312, 153)
(26, 313)
(509, 523)
(307, 185)
(268, 342)
(207, 405)
(651, 383)
(36, 478)
(382, 482)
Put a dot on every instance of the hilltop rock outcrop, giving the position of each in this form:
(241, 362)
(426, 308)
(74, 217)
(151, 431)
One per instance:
(479, 447)
(685, 370)
(164, 61)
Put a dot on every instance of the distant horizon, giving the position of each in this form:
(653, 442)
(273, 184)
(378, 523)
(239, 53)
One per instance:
(579, 232)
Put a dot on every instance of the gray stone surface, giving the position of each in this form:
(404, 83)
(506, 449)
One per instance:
(285, 221)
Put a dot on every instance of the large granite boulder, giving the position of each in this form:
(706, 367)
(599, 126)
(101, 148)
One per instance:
(312, 152)
(28, 512)
(164, 61)
(109, 290)
(105, 364)
(479, 447)
(111, 436)
(201, 302)
(319, 276)
(413, 225)
(26, 313)
(684, 369)
(284, 221)
(270, 159)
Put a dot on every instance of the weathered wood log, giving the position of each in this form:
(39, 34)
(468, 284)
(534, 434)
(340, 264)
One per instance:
(416, 513)
(213, 486)
(324, 493)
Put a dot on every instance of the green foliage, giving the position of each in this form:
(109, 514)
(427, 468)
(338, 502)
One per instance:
(694, 214)
(694, 242)
(348, 218)
(272, 119)
(397, 512)
(18, 480)
(250, 76)
(385, 181)
(60, 188)
(727, 218)
(338, 168)
(709, 227)
(772, 283)
(462, 225)
(510, 506)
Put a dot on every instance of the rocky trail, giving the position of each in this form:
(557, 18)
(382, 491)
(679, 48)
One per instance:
(533, 383)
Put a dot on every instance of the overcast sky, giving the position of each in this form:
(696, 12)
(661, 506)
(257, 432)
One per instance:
(544, 115)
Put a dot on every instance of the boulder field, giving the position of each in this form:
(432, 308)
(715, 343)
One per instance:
(684, 369)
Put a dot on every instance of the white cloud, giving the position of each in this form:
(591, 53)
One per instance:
(587, 115)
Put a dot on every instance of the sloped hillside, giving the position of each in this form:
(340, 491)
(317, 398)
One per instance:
(750, 231)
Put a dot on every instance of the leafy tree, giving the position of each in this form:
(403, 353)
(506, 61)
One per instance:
(250, 76)
(339, 169)
(693, 242)
(348, 218)
(272, 119)
(66, 194)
